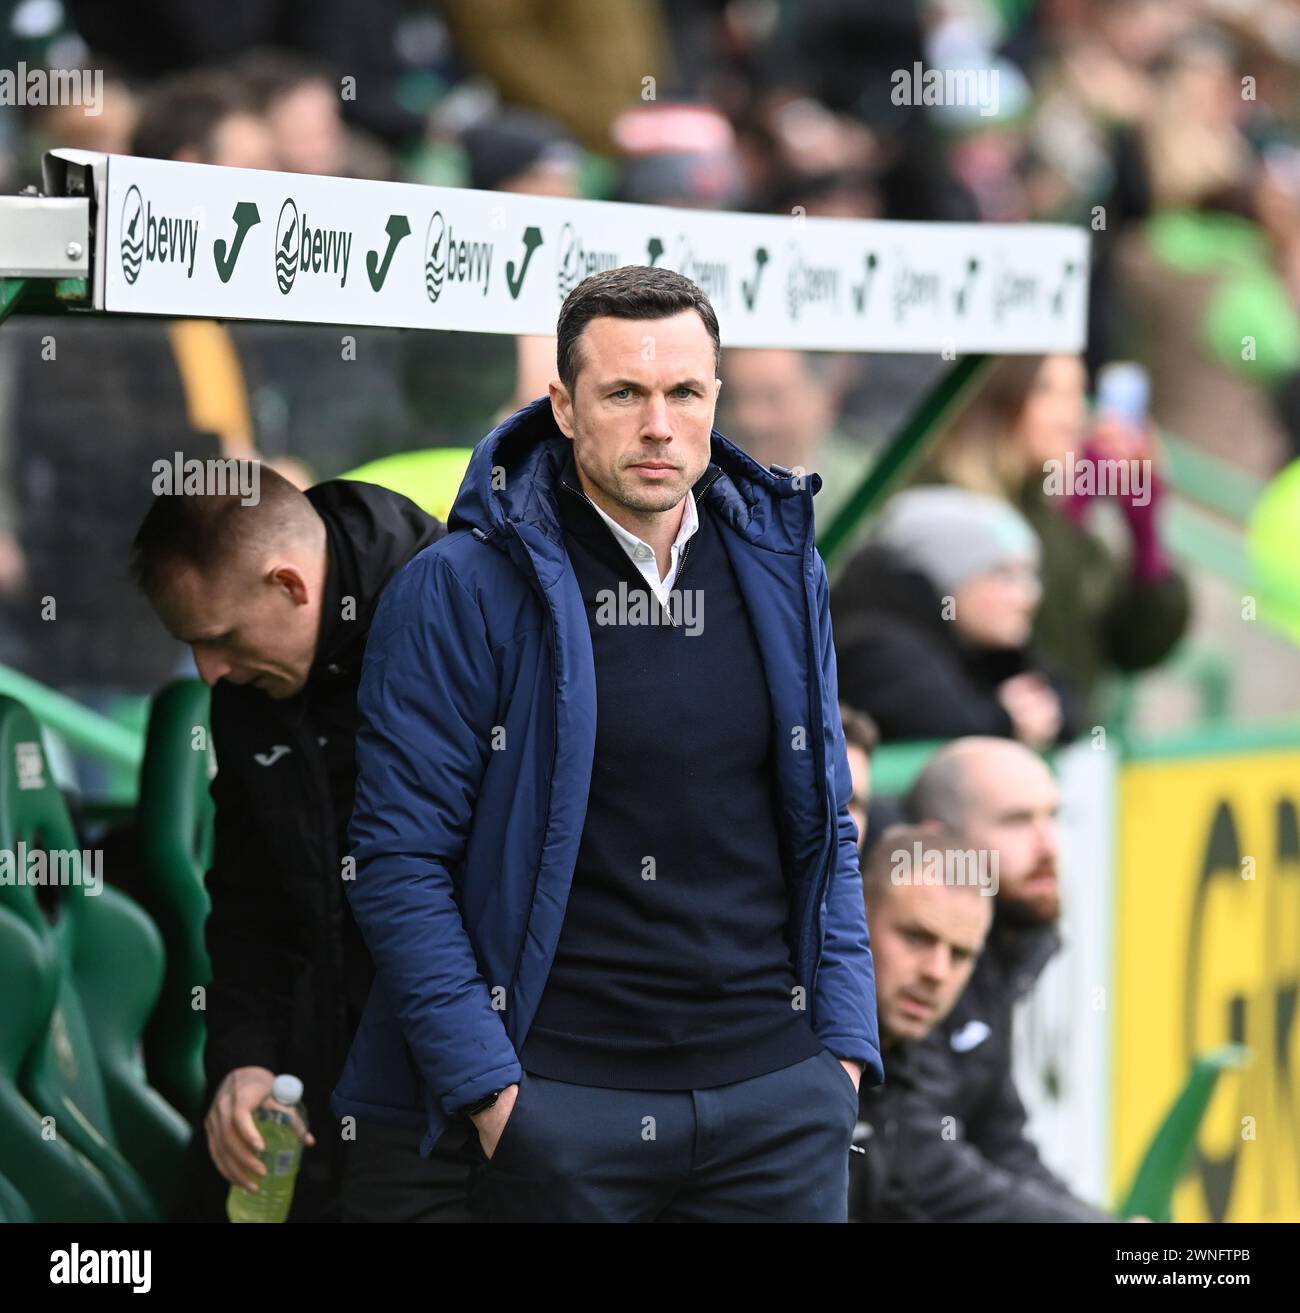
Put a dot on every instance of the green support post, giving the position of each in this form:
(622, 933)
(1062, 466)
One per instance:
(83, 728)
(11, 292)
(933, 411)
(42, 296)
(1152, 1193)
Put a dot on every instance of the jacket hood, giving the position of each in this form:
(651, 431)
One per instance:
(879, 593)
(876, 581)
(372, 532)
(531, 452)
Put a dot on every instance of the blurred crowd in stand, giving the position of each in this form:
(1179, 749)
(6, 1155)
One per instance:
(1169, 128)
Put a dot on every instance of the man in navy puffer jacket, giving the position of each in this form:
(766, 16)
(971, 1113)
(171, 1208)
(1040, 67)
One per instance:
(604, 859)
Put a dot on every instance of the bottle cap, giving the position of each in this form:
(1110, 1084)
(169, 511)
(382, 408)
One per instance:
(286, 1090)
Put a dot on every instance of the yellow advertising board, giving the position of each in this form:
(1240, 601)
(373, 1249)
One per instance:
(1207, 953)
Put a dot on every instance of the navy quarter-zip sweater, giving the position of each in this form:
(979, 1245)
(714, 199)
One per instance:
(674, 968)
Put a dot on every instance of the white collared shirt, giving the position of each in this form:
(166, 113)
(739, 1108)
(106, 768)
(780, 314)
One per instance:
(642, 555)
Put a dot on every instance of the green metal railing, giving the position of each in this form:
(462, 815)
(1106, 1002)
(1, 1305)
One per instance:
(84, 729)
(1209, 481)
(42, 296)
(902, 453)
(1207, 490)
(121, 746)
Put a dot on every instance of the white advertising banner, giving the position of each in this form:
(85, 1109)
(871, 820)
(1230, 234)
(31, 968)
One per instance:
(196, 240)
(1063, 1029)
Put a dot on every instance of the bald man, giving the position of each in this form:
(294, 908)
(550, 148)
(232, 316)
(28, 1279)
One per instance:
(274, 592)
(928, 928)
(1001, 800)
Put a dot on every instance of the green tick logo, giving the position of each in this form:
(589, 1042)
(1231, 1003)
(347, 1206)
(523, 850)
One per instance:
(862, 290)
(1067, 276)
(962, 296)
(515, 281)
(245, 217)
(749, 287)
(398, 227)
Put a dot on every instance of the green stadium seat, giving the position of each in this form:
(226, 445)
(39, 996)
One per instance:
(118, 970)
(105, 953)
(175, 820)
(1166, 1159)
(47, 1175)
(13, 1207)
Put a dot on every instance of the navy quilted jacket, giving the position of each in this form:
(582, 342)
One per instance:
(474, 754)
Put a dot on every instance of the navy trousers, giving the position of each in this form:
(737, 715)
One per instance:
(774, 1148)
(386, 1180)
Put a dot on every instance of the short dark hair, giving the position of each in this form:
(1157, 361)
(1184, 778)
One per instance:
(267, 73)
(860, 731)
(633, 291)
(933, 837)
(208, 532)
(185, 111)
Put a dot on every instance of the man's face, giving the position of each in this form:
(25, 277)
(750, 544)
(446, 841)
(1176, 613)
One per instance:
(642, 411)
(1011, 808)
(243, 141)
(860, 770)
(558, 177)
(262, 633)
(925, 940)
(775, 408)
(306, 124)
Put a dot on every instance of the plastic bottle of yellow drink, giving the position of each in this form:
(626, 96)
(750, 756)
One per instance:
(282, 1123)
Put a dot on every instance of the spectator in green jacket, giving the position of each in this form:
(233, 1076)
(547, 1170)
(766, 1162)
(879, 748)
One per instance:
(1027, 436)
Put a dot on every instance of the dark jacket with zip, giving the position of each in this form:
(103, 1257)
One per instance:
(878, 1169)
(906, 666)
(475, 754)
(956, 1125)
(290, 972)
(682, 980)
